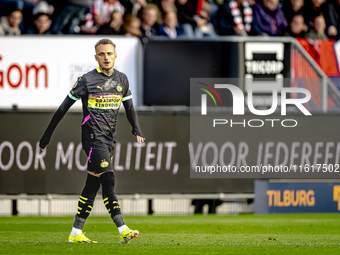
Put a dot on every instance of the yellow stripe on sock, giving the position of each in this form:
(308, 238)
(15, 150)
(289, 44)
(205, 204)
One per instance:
(108, 210)
(89, 206)
(105, 199)
(79, 208)
(106, 202)
(81, 201)
(115, 202)
(84, 198)
(88, 211)
(78, 212)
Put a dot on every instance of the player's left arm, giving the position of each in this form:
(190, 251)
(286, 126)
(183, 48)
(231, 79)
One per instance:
(130, 110)
(132, 117)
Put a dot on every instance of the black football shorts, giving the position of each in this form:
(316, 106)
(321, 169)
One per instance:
(99, 158)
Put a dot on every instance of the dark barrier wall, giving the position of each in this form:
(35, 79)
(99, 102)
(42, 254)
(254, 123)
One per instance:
(161, 165)
(169, 65)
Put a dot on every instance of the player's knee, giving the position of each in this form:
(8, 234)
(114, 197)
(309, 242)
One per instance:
(109, 197)
(107, 179)
(91, 187)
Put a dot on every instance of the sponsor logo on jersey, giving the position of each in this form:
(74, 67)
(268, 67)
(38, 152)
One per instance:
(104, 101)
(119, 88)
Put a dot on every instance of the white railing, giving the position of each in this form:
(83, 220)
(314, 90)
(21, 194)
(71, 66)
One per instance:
(136, 204)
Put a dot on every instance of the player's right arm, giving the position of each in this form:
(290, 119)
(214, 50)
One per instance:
(78, 90)
(58, 115)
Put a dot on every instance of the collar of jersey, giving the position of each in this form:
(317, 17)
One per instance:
(100, 71)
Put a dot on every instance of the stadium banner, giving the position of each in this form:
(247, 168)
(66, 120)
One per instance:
(296, 197)
(168, 162)
(324, 52)
(38, 73)
(160, 165)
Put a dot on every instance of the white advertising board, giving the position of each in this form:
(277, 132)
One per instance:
(38, 72)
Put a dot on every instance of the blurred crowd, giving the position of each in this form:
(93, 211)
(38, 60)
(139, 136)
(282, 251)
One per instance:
(315, 19)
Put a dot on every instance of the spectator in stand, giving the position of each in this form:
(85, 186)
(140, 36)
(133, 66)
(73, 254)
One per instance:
(206, 10)
(26, 7)
(333, 19)
(137, 6)
(100, 15)
(102, 9)
(41, 19)
(164, 7)
(87, 26)
(212, 7)
(297, 27)
(9, 25)
(292, 7)
(68, 15)
(191, 12)
(42, 23)
(132, 26)
(235, 17)
(269, 17)
(313, 9)
(149, 18)
(114, 27)
(318, 28)
(170, 27)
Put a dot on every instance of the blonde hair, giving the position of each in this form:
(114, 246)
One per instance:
(104, 41)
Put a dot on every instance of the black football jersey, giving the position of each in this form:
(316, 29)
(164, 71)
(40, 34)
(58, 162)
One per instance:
(101, 96)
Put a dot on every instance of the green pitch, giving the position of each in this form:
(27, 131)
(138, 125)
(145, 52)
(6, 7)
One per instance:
(242, 234)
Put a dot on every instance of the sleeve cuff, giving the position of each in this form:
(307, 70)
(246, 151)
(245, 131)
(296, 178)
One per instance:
(72, 97)
(126, 98)
(137, 132)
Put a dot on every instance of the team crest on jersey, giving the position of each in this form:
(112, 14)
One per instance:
(119, 88)
(104, 164)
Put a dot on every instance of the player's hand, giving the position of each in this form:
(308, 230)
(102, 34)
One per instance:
(44, 141)
(140, 139)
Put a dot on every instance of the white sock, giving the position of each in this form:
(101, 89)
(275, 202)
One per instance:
(120, 229)
(75, 232)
